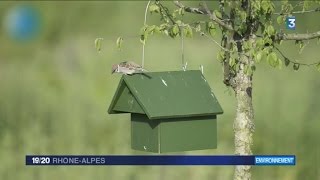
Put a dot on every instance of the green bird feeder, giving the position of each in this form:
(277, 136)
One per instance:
(170, 111)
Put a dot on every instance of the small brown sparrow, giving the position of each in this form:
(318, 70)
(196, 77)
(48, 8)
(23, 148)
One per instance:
(127, 67)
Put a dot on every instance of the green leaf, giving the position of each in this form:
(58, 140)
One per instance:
(220, 56)
(270, 30)
(232, 62)
(154, 8)
(271, 8)
(286, 61)
(260, 43)
(207, 25)
(198, 27)
(218, 14)
(273, 60)
(144, 29)
(234, 53)
(253, 52)
(119, 42)
(166, 32)
(305, 5)
(265, 6)
(179, 22)
(267, 40)
(243, 16)
(98, 44)
(248, 70)
(286, 7)
(163, 28)
(296, 66)
(174, 15)
(301, 46)
(188, 31)
(279, 63)
(210, 28)
(212, 31)
(318, 67)
(181, 11)
(237, 67)
(150, 29)
(246, 45)
(175, 29)
(267, 50)
(234, 48)
(256, 5)
(259, 56)
(157, 30)
(280, 20)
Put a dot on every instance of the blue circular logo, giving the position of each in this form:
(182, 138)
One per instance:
(22, 23)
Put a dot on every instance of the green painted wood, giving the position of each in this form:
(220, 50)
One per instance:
(186, 134)
(124, 101)
(182, 134)
(171, 94)
(144, 133)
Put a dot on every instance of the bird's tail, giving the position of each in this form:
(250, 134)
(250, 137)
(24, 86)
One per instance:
(141, 70)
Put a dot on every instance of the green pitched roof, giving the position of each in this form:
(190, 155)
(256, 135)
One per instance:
(165, 95)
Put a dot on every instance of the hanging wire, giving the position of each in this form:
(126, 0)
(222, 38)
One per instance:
(145, 23)
(184, 64)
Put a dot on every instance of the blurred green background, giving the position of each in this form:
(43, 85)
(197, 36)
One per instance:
(55, 92)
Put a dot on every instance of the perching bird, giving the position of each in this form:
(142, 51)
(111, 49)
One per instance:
(127, 67)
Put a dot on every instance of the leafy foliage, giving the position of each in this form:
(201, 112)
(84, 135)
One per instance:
(210, 28)
(246, 21)
(273, 60)
(154, 8)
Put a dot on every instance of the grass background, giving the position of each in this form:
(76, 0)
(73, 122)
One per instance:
(55, 91)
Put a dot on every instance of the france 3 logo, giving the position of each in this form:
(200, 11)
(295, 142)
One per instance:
(291, 22)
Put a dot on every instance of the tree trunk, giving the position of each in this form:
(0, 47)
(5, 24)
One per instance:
(243, 124)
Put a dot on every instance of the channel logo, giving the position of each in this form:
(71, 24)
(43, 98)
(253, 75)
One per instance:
(291, 23)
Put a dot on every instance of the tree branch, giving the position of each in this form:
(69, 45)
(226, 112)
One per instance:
(166, 11)
(214, 41)
(190, 9)
(298, 12)
(206, 11)
(298, 37)
(292, 61)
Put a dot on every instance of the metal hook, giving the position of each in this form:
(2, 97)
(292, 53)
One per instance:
(184, 67)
